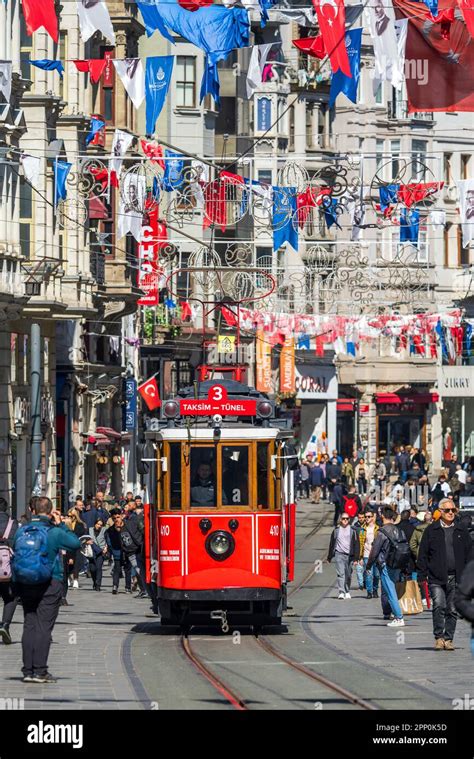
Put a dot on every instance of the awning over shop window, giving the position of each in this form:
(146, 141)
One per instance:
(394, 398)
(345, 404)
(110, 433)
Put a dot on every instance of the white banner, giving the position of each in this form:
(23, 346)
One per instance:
(466, 209)
(94, 16)
(132, 76)
(6, 80)
(381, 17)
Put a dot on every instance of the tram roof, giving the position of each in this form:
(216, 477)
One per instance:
(198, 434)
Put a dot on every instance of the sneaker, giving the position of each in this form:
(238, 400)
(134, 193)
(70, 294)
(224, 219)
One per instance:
(5, 634)
(75, 584)
(348, 595)
(396, 623)
(128, 590)
(375, 594)
(439, 644)
(46, 679)
(370, 595)
(361, 587)
(115, 590)
(142, 594)
(341, 595)
(424, 602)
(28, 679)
(448, 645)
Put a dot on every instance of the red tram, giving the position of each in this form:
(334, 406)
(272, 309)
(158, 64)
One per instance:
(220, 531)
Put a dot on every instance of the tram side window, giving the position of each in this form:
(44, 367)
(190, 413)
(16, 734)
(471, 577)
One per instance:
(262, 476)
(174, 474)
(235, 475)
(203, 476)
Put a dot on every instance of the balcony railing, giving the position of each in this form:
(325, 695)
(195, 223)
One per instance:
(398, 109)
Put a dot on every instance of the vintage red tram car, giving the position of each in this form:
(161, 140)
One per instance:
(220, 529)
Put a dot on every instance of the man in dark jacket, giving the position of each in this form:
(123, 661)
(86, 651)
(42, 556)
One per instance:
(333, 470)
(316, 480)
(408, 528)
(402, 462)
(464, 598)
(41, 602)
(337, 498)
(114, 544)
(8, 528)
(445, 549)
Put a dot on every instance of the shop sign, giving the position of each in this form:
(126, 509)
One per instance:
(217, 402)
(287, 366)
(264, 375)
(456, 381)
(315, 382)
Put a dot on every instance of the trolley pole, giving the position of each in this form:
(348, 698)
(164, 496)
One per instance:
(35, 382)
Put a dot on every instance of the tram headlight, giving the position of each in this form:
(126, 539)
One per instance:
(171, 409)
(220, 545)
(264, 409)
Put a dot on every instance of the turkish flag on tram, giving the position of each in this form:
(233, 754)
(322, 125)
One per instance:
(438, 71)
(150, 393)
(332, 22)
(41, 13)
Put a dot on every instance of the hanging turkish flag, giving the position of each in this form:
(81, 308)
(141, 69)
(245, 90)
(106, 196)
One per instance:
(332, 22)
(95, 67)
(229, 317)
(41, 14)
(467, 11)
(312, 46)
(194, 5)
(153, 152)
(150, 394)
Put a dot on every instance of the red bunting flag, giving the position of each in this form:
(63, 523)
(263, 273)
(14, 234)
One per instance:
(229, 317)
(41, 14)
(312, 46)
(153, 152)
(332, 22)
(150, 393)
(186, 312)
(194, 5)
(415, 192)
(95, 67)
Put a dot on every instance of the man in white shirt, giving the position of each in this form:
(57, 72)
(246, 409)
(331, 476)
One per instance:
(461, 474)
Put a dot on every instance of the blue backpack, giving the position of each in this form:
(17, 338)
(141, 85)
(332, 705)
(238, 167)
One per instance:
(31, 564)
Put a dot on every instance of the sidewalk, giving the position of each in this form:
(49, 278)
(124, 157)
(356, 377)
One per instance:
(86, 654)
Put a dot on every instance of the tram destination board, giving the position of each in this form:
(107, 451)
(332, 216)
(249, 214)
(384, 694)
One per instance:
(217, 402)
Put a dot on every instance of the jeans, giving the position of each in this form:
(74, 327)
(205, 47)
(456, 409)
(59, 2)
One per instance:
(444, 612)
(372, 577)
(362, 485)
(404, 476)
(96, 569)
(360, 575)
(118, 563)
(41, 607)
(389, 598)
(344, 571)
(10, 600)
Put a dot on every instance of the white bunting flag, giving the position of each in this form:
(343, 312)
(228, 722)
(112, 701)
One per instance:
(131, 207)
(132, 76)
(94, 16)
(257, 63)
(120, 145)
(466, 209)
(6, 80)
(437, 219)
(381, 18)
(31, 169)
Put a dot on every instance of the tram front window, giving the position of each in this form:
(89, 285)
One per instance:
(203, 477)
(235, 475)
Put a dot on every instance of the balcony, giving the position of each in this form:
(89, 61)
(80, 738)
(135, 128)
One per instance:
(398, 110)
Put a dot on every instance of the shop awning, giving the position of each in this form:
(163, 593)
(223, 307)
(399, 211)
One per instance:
(345, 404)
(394, 398)
(110, 433)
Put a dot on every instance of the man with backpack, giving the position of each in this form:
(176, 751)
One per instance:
(351, 502)
(390, 552)
(131, 540)
(37, 571)
(445, 549)
(8, 528)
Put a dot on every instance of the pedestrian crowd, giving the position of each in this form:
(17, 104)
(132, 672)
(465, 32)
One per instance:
(394, 529)
(46, 553)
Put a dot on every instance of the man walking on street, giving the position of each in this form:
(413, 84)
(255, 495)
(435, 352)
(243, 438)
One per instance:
(388, 550)
(445, 549)
(38, 575)
(316, 479)
(8, 528)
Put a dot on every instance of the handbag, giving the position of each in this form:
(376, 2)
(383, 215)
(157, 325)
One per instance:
(86, 550)
(409, 597)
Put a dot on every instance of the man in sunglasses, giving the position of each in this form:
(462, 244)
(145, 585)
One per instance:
(445, 549)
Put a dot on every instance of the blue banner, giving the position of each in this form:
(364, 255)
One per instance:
(285, 229)
(409, 226)
(388, 195)
(342, 83)
(130, 409)
(157, 82)
(264, 114)
(61, 171)
(173, 177)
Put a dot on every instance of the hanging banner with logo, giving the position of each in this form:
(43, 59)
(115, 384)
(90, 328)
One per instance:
(287, 366)
(154, 237)
(264, 380)
(157, 81)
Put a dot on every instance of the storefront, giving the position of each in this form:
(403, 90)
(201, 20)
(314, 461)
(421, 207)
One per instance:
(316, 391)
(402, 419)
(456, 384)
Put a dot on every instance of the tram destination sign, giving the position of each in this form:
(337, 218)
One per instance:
(217, 402)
